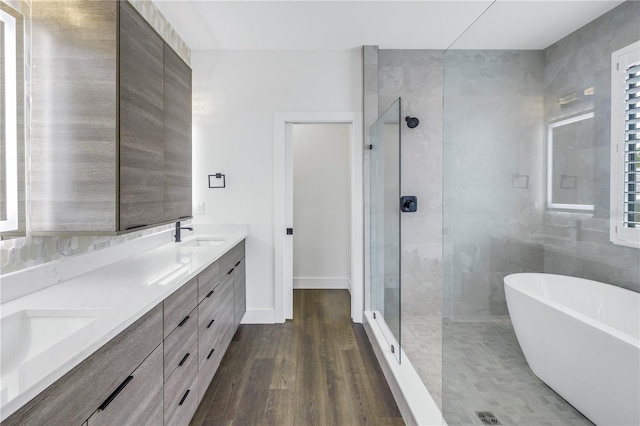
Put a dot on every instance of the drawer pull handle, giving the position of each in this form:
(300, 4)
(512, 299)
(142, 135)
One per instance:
(137, 226)
(115, 393)
(184, 321)
(238, 263)
(211, 293)
(210, 353)
(186, 394)
(184, 359)
(229, 273)
(211, 323)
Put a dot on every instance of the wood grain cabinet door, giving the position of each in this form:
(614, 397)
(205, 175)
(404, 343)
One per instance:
(177, 137)
(138, 400)
(141, 121)
(73, 118)
(240, 293)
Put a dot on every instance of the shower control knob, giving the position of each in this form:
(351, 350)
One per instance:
(409, 203)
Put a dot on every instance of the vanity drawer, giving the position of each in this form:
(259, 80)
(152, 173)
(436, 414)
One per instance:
(236, 253)
(208, 367)
(216, 317)
(137, 400)
(178, 306)
(185, 408)
(208, 280)
(209, 307)
(177, 344)
(181, 392)
(228, 260)
(213, 337)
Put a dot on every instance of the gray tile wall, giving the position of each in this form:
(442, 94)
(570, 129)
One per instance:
(370, 115)
(497, 105)
(493, 145)
(20, 253)
(416, 77)
(578, 244)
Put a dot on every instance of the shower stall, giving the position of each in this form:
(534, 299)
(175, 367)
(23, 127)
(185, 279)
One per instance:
(513, 170)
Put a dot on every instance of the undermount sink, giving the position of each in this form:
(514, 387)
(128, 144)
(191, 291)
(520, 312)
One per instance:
(203, 242)
(30, 332)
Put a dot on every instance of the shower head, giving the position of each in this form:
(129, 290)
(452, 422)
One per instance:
(412, 122)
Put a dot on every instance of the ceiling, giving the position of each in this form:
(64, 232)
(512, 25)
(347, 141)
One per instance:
(331, 25)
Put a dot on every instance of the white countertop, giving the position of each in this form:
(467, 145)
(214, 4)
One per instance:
(112, 297)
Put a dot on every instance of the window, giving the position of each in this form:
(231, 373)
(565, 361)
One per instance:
(625, 146)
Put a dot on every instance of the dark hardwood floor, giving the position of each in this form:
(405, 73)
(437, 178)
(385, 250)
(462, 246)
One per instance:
(318, 369)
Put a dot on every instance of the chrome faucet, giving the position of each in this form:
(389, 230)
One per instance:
(178, 228)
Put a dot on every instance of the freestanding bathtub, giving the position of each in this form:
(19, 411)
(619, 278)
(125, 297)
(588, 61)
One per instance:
(582, 338)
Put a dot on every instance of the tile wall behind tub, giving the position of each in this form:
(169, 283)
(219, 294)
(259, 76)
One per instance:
(416, 77)
(578, 244)
(493, 142)
(20, 253)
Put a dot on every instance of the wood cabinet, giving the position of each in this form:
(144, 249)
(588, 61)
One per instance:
(141, 121)
(111, 119)
(181, 392)
(215, 331)
(240, 291)
(177, 136)
(217, 313)
(137, 400)
(177, 345)
(181, 354)
(158, 369)
(178, 306)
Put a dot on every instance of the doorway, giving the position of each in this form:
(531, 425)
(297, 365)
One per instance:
(285, 228)
(321, 207)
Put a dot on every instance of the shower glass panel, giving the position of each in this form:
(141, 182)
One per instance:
(385, 224)
(500, 216)
(493, 164)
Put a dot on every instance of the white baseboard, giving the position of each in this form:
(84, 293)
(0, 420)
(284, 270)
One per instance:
(329, 283)
(259, 316)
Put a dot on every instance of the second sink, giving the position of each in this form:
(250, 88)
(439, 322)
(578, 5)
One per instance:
(203, 242)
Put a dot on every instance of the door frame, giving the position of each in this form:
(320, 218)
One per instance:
(283, 207)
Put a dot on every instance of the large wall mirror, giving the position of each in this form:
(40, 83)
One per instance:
(570, 163)
(12, 123)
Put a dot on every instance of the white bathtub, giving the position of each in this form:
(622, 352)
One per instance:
(582, 338)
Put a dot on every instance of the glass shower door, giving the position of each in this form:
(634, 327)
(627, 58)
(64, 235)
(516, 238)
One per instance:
(385, 224)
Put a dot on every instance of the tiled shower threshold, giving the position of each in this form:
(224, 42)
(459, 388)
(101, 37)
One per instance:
(415, 403)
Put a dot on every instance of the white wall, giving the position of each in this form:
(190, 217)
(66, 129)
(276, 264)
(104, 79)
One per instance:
(321, 206)
(235, 96)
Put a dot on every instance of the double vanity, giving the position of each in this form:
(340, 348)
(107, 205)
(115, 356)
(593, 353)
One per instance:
(134, 333)
(136, 339)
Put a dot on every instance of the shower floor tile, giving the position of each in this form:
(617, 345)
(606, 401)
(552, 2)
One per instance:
(484, 370)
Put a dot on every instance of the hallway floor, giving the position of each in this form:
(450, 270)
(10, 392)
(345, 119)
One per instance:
(318, 369)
